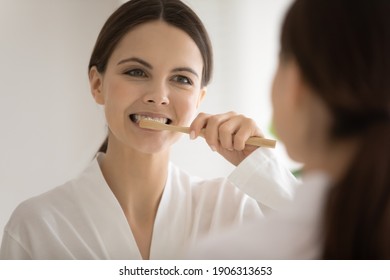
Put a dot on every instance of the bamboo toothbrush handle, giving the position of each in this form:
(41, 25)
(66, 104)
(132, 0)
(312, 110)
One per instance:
(254, 140)
(261, 142)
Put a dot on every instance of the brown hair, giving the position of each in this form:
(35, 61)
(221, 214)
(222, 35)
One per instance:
(136, 12)
(343, 51)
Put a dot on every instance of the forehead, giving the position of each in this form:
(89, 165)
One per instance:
(158, 42)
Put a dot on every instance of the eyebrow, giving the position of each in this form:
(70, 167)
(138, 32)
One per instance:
(136, 59)
(187, 69)
(148, 65)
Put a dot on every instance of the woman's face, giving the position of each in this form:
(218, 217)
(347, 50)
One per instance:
(154, 72)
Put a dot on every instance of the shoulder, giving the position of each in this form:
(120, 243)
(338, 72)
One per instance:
(60, 200)
(38, 208)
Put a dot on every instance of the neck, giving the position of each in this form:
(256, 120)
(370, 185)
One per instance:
(136, 179)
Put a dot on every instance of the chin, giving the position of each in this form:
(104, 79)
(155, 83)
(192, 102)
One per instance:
(156, 147)
(294, 155)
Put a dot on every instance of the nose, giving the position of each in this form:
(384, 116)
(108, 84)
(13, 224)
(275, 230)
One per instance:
(158, 95)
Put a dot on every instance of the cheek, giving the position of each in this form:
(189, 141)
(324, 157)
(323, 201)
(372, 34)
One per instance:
(117, 99)
(287, 127)
(121, 93)
(279, 121)
(282, 103)
(277, 105)
(283, 119)
(186, 107)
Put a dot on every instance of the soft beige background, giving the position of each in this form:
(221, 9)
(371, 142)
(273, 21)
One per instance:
(51, 127)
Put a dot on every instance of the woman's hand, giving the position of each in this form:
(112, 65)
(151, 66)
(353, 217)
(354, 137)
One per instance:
(226, 134)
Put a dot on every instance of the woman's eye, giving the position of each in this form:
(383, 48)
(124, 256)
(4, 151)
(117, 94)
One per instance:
(182, 80)
(136, 73)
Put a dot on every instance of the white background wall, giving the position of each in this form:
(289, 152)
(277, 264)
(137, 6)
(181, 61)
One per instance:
(50, 125)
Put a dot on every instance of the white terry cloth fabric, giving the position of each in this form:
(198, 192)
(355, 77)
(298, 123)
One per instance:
(82, 219)
(294, 232)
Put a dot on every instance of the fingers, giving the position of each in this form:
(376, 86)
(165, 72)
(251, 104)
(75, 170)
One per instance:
(216, 132)
(198, 124)
(229, 131)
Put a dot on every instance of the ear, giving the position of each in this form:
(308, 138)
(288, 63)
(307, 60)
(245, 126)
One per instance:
(202, 95)
(95, 83)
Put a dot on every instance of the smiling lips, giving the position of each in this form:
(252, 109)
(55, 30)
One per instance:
(137, 117)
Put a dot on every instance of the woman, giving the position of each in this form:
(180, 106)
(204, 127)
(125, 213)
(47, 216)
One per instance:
(151, 60)
(331, 99)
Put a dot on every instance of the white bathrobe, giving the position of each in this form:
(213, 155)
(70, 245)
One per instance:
(82, 219)
(293, 232)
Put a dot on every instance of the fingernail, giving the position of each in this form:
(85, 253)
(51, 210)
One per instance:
(192, 135)
(213, 148)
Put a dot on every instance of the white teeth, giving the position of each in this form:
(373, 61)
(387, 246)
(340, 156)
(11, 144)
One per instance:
(137, 118)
